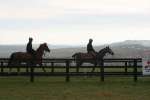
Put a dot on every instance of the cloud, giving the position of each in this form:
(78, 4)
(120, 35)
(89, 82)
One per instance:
(46, 9)
(75, 35)
(103, 7)
(73, 21)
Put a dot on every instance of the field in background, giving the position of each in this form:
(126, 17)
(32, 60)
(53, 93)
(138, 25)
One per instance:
(79, 88)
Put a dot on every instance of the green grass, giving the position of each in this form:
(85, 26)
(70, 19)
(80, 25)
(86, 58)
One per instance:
(74, 69)
(79, 88)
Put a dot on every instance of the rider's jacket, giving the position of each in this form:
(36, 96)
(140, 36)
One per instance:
(90, 47)
(29, 48)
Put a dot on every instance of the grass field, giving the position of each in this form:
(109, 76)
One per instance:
(79, 88)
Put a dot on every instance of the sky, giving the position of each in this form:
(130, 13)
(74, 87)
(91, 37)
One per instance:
(73, 22)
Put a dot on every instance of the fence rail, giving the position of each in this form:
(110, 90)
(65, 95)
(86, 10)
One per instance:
(134, 64)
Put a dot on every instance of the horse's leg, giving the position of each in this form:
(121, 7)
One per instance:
(77, 66)
(95, 64)
(100, 64)
(10, 65)
(27, 69)
(43, 67)
(18, 67)
(93, 68)
(9, 69)
(27, 66)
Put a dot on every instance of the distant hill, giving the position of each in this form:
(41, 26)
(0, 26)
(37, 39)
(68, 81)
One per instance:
(145, 43)
(127, 49)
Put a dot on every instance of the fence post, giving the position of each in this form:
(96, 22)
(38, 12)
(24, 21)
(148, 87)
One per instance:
(2, 65)
(31, 73)
(67, 71)
(126, 70)
(135, 70)
(52, 70)
(102, 70)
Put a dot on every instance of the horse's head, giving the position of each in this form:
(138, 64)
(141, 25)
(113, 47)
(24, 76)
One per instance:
(45, 47)
(104, 51)
(109, 50)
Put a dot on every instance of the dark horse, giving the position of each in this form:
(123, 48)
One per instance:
(17, 58)
(80, 58)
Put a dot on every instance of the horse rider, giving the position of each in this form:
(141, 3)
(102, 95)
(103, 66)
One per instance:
(29, 48)
(90, 48)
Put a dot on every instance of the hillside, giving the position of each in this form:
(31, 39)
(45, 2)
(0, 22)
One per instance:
(123, 49)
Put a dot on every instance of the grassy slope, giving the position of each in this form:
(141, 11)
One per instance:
(80, 88)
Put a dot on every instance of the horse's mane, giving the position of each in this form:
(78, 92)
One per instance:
(102, 50)
(41, 45)
(101, 53)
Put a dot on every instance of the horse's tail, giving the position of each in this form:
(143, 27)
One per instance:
(74, 56)
(77, 56)
(11, 59)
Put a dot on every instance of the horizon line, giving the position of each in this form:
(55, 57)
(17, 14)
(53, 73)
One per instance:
(55, 44)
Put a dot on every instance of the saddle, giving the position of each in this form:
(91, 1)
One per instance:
(88, 55)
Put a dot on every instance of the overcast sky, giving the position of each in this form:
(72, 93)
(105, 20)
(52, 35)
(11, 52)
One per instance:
(73, 22)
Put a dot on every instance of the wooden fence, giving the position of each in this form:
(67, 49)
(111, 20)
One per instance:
(132, 64)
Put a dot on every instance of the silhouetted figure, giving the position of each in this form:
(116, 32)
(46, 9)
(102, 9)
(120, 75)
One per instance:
(90, 48)
(29, 47)
(30, 50)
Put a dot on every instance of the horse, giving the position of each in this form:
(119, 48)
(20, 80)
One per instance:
(81, 58)
(18, 58)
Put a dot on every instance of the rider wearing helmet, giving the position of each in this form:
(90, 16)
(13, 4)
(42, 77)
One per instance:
(90, 48)
(29, 47)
